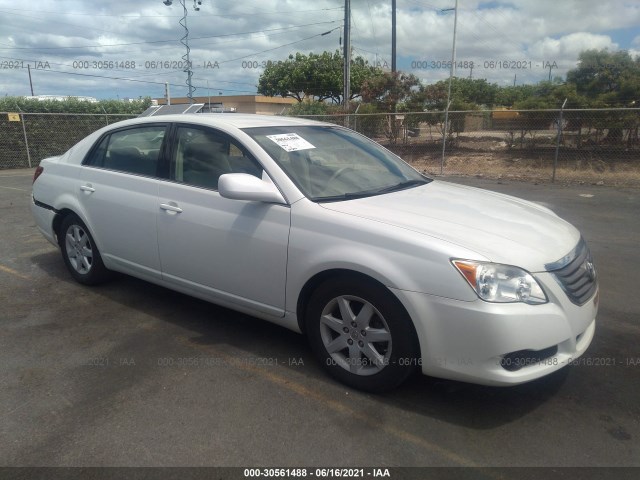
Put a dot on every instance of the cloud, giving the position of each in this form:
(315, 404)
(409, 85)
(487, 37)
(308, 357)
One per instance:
(94, 41)
(570, 46)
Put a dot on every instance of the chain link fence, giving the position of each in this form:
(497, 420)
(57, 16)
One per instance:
(590, 146)
(27, 138)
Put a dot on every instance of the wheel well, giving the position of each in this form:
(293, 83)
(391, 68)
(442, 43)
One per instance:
(58, 219)
(319, 278)
(315, 281)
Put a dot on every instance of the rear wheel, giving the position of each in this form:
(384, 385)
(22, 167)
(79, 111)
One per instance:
(361, 334)
(79, 251)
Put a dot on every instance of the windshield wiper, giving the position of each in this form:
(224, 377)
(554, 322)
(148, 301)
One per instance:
(371, 193)
(402, 186)
(346, 196)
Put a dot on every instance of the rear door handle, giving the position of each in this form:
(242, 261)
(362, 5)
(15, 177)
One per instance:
(88, 188)
(170, 208)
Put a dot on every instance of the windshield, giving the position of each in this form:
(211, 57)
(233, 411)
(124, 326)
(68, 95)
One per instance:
(332, 163)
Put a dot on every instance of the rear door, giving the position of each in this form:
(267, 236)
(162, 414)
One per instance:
(118, 191)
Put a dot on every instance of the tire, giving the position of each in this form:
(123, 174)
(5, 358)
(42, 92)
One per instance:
(346, 349)
(80, 253)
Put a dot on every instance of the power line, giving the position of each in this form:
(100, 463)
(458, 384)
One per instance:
(173, 39)
(172, 84)
(177, 71)
(384, 58)
(373, 27)
(233, 15)
(200, 46)
(280, 46)
(82, 27)
(132, 80)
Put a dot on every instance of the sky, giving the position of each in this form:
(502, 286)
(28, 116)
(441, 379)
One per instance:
(115, 49)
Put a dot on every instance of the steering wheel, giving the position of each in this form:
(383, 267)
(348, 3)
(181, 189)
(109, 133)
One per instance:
(338, 173)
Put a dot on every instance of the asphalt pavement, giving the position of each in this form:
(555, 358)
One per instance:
(131, 374)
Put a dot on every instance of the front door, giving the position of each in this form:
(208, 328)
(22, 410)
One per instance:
(226, 250)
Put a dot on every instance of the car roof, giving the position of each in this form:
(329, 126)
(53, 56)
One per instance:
(236, 120)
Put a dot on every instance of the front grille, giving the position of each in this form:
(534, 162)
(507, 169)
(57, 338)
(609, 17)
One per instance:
(576, 274)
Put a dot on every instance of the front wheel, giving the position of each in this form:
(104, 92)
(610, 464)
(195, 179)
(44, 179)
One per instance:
(361, 334)
(80, 253)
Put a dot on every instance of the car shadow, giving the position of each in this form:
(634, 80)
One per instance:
(472, 406)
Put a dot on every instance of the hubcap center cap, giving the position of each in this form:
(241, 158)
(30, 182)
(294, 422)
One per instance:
(354, 334)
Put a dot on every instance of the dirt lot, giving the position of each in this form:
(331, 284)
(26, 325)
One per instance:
(131, 374)
(494, 156)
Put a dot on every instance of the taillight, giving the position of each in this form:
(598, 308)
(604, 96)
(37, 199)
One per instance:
(37, 173)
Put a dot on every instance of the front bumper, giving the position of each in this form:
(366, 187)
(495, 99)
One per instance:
(468, 341)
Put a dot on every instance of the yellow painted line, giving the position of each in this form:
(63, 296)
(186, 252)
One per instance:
(13, 272)
(346, 410)
(20, 175)
(33, 253)
(13, 188)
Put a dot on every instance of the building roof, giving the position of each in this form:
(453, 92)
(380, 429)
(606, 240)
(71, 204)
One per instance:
(231, 98)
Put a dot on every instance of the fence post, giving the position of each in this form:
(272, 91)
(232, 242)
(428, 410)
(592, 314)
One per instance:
(26, 141)
(555, 159)
(444, 134)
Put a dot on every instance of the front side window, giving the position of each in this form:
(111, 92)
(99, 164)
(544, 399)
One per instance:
(202, 155)
(134, 150)
(331, 163)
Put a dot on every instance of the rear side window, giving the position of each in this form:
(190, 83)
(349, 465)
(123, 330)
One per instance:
(134, 150)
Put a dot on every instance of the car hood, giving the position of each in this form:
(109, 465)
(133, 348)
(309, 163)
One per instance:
(501, 228)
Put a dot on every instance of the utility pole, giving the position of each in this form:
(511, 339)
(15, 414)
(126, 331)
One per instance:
(471, 72)
(167, 95)
(451, 74)
(30, 82)
(393, 35)
(347, 54)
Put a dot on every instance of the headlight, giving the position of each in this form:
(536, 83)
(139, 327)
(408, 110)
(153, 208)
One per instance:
(498, 283)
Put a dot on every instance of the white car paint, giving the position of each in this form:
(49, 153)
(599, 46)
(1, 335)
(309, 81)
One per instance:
(256, 257)
(500, 228)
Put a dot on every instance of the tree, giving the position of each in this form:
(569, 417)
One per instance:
(314, 76)
(312, 108)
(466, 94)
(510, 95)
(388, 89)
(612, 78)
(387, 93)
(73, 105)
(609, 79)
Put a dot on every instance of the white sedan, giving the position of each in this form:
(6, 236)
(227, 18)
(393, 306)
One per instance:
(320, 230)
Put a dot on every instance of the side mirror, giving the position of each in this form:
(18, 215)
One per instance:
(242, 186)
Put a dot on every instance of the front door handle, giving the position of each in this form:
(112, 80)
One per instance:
(88, 188)
(171, 208)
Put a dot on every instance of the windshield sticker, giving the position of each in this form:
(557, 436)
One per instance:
(290, 142)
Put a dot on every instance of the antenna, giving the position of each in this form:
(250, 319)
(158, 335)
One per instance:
(185, 41)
